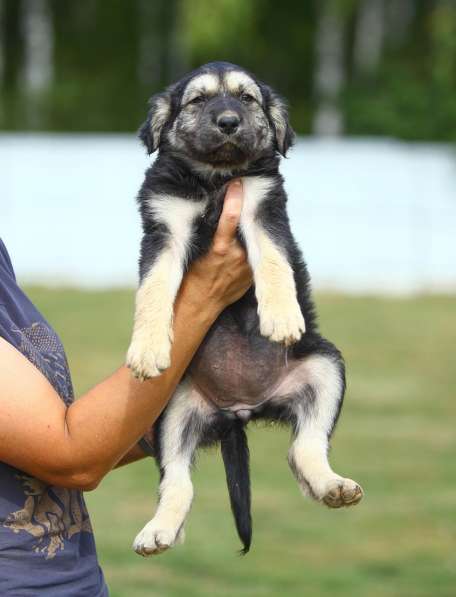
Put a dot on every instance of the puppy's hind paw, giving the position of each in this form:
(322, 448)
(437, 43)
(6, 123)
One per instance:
(343, 492)
(153, 540)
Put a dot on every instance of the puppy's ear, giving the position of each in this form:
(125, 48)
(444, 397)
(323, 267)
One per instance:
(159, 113)
(278, 115)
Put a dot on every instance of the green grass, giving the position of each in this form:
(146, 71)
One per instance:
(396, 436)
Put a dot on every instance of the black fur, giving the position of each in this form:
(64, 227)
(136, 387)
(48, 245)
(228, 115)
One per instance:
(235, 453)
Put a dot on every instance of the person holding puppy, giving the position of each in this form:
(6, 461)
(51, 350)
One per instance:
(52, 449)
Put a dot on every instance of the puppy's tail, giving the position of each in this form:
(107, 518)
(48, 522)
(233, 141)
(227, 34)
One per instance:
(235, 453)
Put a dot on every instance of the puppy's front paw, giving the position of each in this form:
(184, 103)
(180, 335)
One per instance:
(155, 539)
(149, 356)
(281, 321)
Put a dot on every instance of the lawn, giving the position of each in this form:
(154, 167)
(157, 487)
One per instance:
(396, 436)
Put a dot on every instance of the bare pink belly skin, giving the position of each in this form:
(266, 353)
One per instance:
(238, 371)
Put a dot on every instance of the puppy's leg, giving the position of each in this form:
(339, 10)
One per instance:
(149, 351)
(163, 258)
(183, 424)
(279, 312)
(280, 315)
(316, 410)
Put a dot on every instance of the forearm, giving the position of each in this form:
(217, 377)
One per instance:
(104, 424)
(133, 455)
(76, 446)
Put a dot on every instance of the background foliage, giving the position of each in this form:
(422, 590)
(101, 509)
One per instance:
(363, 67)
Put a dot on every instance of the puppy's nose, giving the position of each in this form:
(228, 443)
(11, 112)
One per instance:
(228, 123)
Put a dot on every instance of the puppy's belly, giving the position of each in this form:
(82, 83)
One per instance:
(237, 371)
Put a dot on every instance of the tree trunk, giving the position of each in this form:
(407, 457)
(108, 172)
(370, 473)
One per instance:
(161, 46)
(38, 45)
(38, 66)
(399, 17)
(2, 43)
(330, 71)
(177, 46)
(150, 59)
(369, 36)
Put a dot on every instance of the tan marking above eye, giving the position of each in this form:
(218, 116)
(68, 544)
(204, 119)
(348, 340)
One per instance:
(238, 82)
(205, 84)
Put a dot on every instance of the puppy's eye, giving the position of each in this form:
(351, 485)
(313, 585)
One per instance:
(246, 98)
(199, 99)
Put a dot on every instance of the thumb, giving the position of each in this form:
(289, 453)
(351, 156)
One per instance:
(230, 216)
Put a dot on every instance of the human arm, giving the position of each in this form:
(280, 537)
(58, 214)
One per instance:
(133, 455)
(78, 445)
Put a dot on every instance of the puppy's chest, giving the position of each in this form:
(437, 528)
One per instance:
(187, 217)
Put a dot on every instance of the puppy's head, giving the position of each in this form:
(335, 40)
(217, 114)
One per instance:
(219, 115)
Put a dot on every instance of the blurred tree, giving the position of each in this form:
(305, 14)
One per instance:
(407, 98)
(2, 56)
(329, 72)
(38, 36)
(162, 53)
(10, 40)
(399, 16)
(2, 49)
(37, 68)
(369, 37)
(364, 67)
(443, 67)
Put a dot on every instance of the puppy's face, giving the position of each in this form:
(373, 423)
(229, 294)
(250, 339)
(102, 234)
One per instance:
(220, 116)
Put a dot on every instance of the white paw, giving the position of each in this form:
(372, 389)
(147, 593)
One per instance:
(281, 321)
(338, 492)
(155, 539)
(149, 355)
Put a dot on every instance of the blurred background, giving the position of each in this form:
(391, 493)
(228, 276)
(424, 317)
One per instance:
(372, 199)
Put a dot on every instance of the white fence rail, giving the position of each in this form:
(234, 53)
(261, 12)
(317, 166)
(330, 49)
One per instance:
(369, 215)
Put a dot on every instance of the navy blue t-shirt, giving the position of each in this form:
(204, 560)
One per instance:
(47, 546)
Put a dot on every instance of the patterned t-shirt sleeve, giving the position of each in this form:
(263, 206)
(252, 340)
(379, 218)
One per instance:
(23, 326)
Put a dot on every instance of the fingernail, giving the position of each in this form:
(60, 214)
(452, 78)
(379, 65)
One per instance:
(237, 184)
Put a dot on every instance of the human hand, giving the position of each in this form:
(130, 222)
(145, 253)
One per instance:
(223, 275)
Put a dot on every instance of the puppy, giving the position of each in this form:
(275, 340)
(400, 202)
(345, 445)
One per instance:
(264, 357)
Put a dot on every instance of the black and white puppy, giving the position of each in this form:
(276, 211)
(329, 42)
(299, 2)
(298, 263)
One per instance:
(263, 358)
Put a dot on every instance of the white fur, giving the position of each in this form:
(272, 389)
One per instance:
(178, 215)
(255, 190)
(176, 489)
(149, 352)
(280, 315)
(207, 83)
(308, 455)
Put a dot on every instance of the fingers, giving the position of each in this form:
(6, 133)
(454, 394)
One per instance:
(229, 219)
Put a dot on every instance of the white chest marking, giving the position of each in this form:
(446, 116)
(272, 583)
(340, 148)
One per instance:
(178, 215)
